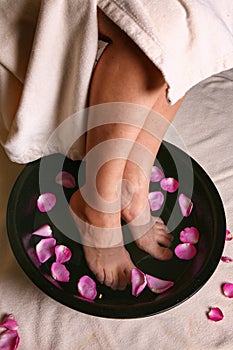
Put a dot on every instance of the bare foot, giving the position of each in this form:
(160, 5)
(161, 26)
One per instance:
(150, 234)
(102, 241)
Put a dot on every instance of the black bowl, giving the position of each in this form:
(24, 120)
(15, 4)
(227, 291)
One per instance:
(208, 216)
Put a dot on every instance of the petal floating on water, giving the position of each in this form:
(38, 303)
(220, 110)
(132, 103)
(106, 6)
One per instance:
(45, 249)
(63, 253)
(189, 235)
(158, 285)
(138, 281)
(169, 184)
(46, 202)
(87, 287)
(44, 231)
(186, 205)
(185, 251)
(156, 174)
(65, 179)
(156, 200)
(59, 272)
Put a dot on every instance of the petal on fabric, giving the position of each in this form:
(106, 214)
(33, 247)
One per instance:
(63, 253)
(226, 259)
(185, 251)
(9, 322)
(215, 314)
(229, 235)
(156, 174)
(45, 249)
(87, 287)
(227, 289)
(9, 340)
(156, 200)
(65, 179)
(59, 272)
(46, 202)
(44, 231)
(158, 285)
(186, 205)
(138, 281)
(189, 235)
(169, 184)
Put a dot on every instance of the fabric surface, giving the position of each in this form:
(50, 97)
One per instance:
(48, 51)
(205, 124)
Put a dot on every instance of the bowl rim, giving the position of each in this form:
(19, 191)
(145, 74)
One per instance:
(108, 311)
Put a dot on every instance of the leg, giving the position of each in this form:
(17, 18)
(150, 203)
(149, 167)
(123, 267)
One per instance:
(141, 83)
(156, 241)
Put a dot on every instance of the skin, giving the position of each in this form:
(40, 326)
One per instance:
(122, 183)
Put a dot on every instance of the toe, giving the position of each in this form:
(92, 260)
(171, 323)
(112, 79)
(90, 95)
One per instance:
(122, 280)
(163, 253)
(108, 280)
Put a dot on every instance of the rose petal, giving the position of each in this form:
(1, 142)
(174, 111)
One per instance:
(46, 202)
(9, 340)
(185, 251)
(227, 289)
(156, 174)
(186, 205)
(65, 179)
(226, 259)
(9, 322)
(189, 235)
(157, 285)
(229, 235)
(169, 184)
(138, 280)
(87, 287)
(63, 253)
(215, 314)
(44, 231)
(45, 249)
(59, 272)
(156, 200)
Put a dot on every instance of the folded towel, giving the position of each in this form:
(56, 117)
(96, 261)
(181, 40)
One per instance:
(48, 52)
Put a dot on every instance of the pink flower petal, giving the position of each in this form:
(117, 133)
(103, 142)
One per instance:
(44, 231)
(185, 251)
(227, 289)
(138, 280)
(189, 235)
(46, 202)
(59, 272)
(226, 259)
(186, 205)
(156, 174)
(9, 340)
(229, 235)
(45, 249)
(157, 285)
(156, 200)
(65, 179)
(215, 314)
(87, 287)
(169, 184)
(63, 253)
(9, 322)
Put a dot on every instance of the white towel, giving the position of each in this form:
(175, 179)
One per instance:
(48, 51)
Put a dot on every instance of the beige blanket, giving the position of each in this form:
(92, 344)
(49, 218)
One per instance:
(47, 325)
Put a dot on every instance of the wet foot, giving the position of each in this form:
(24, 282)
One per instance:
(150, 234)
(102, 242)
